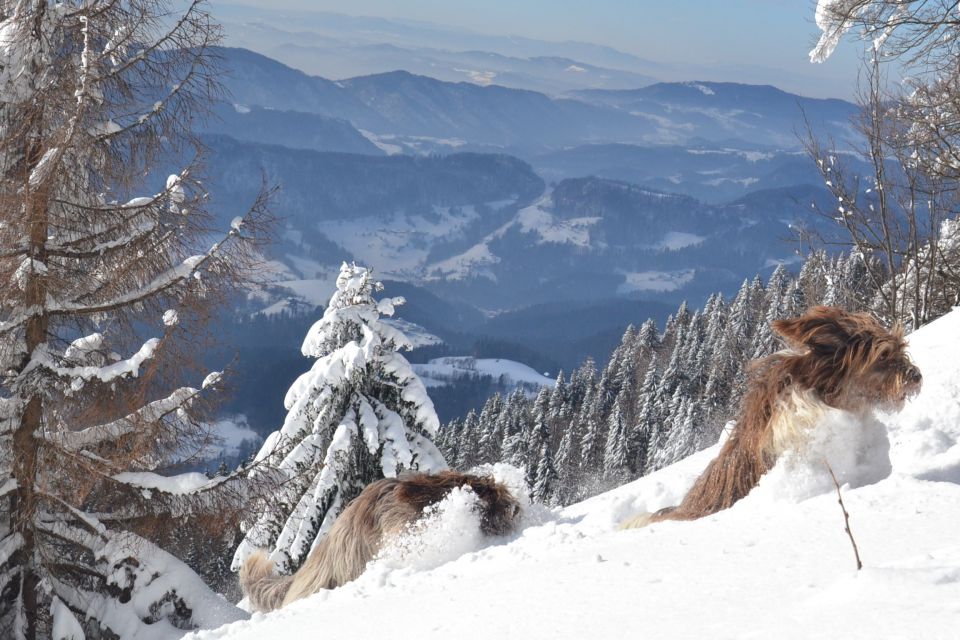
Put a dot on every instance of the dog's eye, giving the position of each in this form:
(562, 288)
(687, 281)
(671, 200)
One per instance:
(883, 355)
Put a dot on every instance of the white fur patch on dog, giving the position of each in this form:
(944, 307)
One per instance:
(794, 420)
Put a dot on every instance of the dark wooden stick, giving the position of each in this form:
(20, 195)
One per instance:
(846, 516)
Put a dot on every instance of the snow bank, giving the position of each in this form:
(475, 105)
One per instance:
(777, 564)
(925, 436)
(856, 450)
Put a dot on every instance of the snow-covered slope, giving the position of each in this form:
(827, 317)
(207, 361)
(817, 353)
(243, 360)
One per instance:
(774, 565)
(444, 371)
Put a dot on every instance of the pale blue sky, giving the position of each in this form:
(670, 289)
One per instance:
(775, 34)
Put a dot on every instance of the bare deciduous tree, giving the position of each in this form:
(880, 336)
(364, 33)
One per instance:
(892, 217)
(101, 297)
(900, 219)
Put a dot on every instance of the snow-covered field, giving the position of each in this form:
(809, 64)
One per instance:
(229, 436)
(397, 246)
(776, 565)
(637, 281)
(443, 371)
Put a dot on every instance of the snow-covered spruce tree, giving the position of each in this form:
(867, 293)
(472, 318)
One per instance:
(647, 419)
(538, 435)
(491, 435)
(517, 427)
(559, 405)
(99, 292)
(360, 414)
(764, 341)
(591, 444)
(616, 463)
(545, 485)
(468, 447)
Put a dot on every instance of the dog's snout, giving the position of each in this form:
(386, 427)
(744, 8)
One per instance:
(913, 375)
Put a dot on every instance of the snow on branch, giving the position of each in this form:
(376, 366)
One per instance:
(19, 319)
(9, 545)
(80, 375)
(834, 18)
(110, 431)
(180, 484)
(925, 26)
(172, 277)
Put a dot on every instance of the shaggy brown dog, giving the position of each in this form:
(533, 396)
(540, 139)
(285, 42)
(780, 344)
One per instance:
(835, 359)
(383, 510)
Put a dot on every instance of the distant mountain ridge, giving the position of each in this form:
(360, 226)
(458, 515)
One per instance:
(293, 129)
(744, 112)
(713, 173)
(336, 45)
(361, 179)
(525, 122)
(339, 45)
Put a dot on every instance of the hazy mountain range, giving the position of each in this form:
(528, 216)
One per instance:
(337, 46)
(398, 108)
(483, 194)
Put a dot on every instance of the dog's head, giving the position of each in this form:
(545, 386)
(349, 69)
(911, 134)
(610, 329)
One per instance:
(851, 359)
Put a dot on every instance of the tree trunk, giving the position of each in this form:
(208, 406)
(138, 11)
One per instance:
(25, 443)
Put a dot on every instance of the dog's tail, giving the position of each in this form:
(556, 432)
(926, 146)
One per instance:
(641, 520)
(264, 590)
(638, 521)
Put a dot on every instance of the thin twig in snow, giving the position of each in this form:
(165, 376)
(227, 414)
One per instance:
(846, 516)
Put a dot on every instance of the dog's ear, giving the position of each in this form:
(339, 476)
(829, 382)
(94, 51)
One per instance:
(819, 329)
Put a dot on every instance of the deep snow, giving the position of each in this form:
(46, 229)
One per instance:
(778, 564)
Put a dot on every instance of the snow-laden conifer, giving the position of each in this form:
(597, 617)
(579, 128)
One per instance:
(517, 426)
(545, 484)
(490, 430)
(559, 403)
(647, 419)
(538, 435)
(359, 414)
(765, 342)
(591, 444)
(469, 444)
(616, 459)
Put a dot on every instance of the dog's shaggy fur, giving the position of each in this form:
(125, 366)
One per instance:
(835, 359)
(382, 511)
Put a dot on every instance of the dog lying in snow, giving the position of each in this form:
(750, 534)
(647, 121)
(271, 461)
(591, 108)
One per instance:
(835, 359)
(384, 510)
